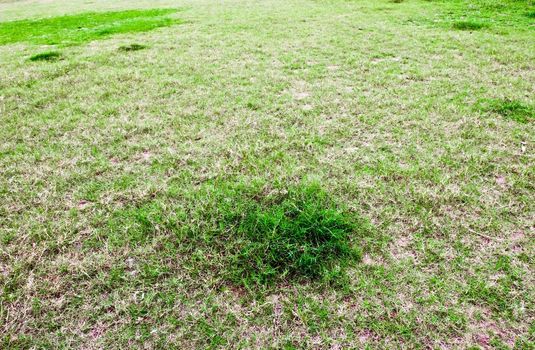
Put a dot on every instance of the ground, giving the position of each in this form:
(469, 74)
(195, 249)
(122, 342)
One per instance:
(123, 146)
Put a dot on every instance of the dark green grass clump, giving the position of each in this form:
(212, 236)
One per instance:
(46, 56)
(511, 109)
(132, 47)
(80, 28)
(501, 16)
(302, 234)
(468, 25)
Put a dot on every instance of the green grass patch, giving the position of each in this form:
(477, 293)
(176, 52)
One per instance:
(302, 233)
(132, 47)
(511, 109)
(503, 17)
(469, 25)
(85, 27)
(46, 56)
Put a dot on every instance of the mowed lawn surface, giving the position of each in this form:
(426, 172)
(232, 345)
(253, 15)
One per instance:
(161, 162)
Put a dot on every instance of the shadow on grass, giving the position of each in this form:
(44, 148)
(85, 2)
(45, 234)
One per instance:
(85, 27)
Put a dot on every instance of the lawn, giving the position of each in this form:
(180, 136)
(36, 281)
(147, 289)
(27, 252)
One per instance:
(267, 174)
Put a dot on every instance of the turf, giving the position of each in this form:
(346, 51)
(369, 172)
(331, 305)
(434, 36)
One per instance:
(267, 174)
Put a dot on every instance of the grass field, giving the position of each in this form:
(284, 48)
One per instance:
(269, 174)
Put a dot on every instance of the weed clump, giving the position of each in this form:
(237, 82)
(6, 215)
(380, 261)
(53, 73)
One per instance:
(468, 25)
(132, 47)
(301, 234)
(511, 109)
(46, 56)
